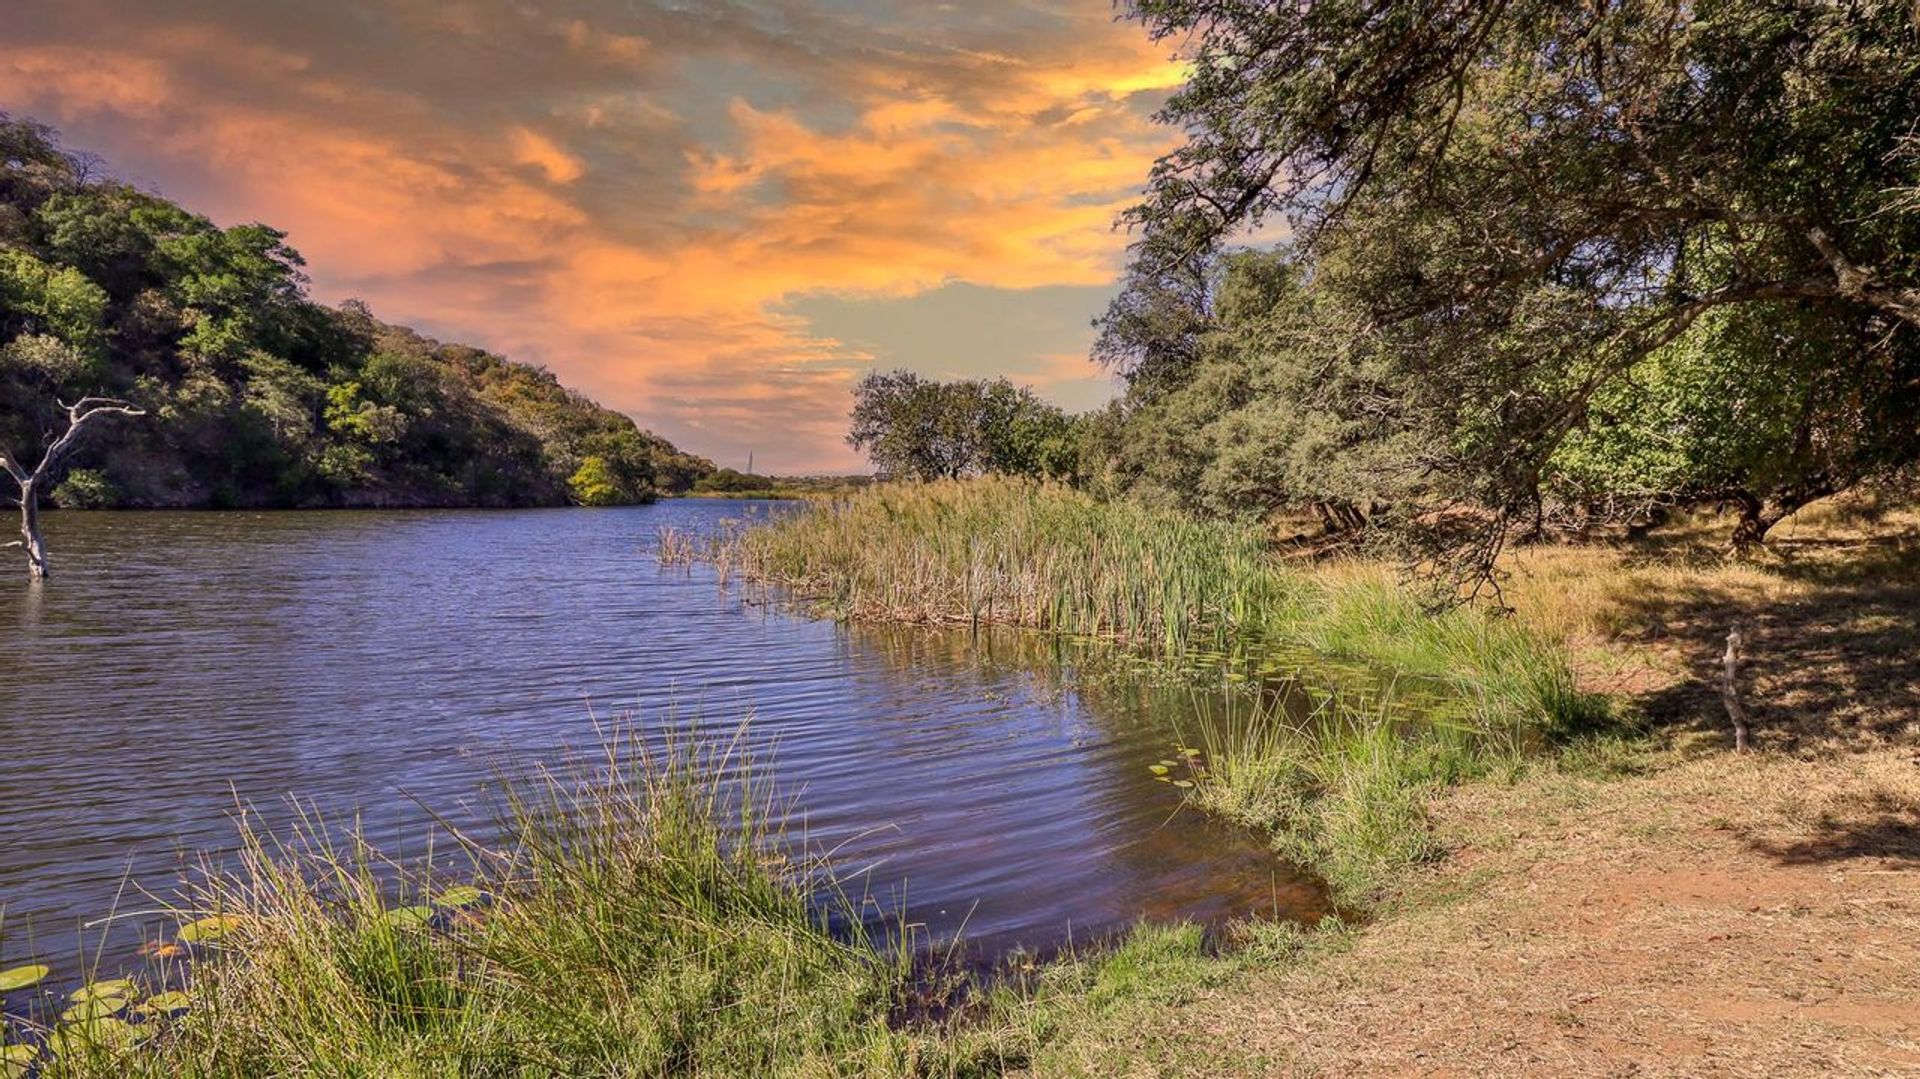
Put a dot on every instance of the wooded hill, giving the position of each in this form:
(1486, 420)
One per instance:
(256, 395)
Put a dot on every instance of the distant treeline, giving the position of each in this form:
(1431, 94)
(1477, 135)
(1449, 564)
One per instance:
(256, 395)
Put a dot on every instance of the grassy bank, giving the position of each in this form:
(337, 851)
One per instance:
(642, 916)
(1340, 782)
(622, 927)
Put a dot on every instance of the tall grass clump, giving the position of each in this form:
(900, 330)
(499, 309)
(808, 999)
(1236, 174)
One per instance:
(1047, 557)
(1345, 791)
(642, 917)
(1015, 553)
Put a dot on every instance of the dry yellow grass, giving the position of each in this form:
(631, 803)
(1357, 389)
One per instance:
(1828, 611)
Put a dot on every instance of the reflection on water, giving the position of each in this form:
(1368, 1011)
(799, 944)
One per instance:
(372, 663)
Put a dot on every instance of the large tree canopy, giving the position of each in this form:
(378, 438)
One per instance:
(921, 428)
(1504, 209)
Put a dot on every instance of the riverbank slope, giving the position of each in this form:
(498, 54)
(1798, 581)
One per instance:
(1655, 906)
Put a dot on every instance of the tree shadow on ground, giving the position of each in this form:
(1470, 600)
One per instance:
(1831, 659)
(1886, 828)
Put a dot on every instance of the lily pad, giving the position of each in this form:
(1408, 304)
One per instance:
(16, 1061)
(209, 929)
(90, 1011)
(409, 917)
(23, 977)
(1189, 751)
(463, 895)
(72, 1039)
(1183, 782)
(117, 988)
(165, 1003)
(1158, 769)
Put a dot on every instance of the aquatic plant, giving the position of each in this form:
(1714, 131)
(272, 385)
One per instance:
(646, 913)
(1047, 557)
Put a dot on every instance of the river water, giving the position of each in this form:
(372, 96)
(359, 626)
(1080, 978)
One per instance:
(370, 664)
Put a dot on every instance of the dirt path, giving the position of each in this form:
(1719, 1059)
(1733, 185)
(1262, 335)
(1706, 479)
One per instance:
(1683, 912)
(1723, 916)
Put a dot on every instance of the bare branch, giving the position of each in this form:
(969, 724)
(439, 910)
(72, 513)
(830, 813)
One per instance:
(78, 413)
(1857, 282)
(19, 474)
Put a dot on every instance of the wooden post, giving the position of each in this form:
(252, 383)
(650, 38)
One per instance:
(1730, 692)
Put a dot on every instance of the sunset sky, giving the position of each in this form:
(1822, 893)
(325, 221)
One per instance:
(714, 216)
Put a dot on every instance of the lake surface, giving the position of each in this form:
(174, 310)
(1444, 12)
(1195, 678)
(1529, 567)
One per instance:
(371, 663)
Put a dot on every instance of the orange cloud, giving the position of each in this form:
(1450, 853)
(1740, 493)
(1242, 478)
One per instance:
(639, 238)
(529, 147)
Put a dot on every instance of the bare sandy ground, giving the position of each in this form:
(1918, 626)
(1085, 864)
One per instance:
(1723, 916)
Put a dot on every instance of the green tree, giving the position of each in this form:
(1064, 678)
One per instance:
(1506, 209)
(594, 484)
(1764, 414)
(59, 301)
(927, 429)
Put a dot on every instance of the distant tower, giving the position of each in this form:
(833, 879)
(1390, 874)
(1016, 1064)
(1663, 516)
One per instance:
(749, 462)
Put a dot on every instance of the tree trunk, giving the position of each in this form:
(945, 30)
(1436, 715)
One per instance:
(30, 531)
(1752, 526)
(1757, 517)
(1655, 517)
(1339, 517)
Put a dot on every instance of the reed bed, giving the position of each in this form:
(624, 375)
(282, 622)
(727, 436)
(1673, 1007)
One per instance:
(1015, 553)
(1046, 557)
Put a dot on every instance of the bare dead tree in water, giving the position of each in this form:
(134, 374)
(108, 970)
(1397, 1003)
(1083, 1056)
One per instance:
(33, 484)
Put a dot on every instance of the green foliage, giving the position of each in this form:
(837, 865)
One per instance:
(593, 484)
(916, 427)
(59, 301)
(729, 481)
(1261, 415)
(42, 361)
(257, 395)
(1577, 251)
(1766, 412)
(86, 489)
